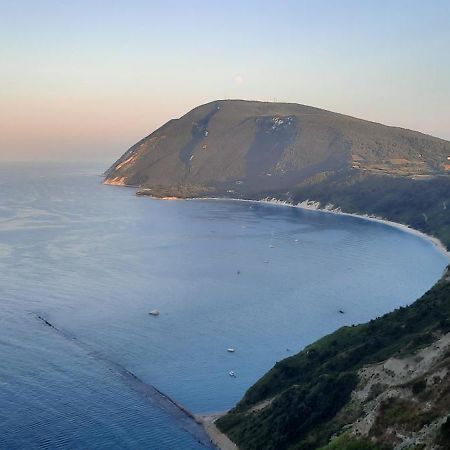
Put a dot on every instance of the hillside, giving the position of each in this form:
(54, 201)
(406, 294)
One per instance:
(244, 149)
(380, 385)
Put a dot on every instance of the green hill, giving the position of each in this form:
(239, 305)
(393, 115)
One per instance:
(243, 149)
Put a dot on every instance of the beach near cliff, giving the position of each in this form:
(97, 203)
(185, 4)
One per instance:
(219, 439)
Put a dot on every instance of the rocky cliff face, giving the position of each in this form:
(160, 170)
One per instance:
(238, 148)
(405, 402)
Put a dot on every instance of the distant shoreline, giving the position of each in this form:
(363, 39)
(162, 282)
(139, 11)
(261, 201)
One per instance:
(219, 439)
(309, 205)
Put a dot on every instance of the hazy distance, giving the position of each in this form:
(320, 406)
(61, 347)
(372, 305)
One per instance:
(85, 80)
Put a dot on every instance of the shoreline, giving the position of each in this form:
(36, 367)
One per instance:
(310, 205)
(218, 439)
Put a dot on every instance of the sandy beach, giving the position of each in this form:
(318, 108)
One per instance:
(314, 206)
(219, 439)
(311, 205)
(331, 209)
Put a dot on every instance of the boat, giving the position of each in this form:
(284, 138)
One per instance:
(154, 312)
(230, 350)
(232, 374)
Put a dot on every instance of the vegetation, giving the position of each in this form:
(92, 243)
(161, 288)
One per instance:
(400, 414)
(311, 388)
(419, 387)
(235, 148)
(444, 435)
(346, 442)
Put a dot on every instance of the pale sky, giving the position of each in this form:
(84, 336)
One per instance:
(86, 79)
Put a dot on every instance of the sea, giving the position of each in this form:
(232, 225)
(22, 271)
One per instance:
(83, 365)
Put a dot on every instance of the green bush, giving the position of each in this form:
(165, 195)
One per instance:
(444, 435)
(347, 442)
(419, 386)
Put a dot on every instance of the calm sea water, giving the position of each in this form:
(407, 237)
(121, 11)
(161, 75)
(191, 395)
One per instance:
(94, 260)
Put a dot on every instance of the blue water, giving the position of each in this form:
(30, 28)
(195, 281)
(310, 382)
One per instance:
(93, 260)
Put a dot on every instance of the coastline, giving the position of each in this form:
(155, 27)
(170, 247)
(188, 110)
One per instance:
(309, 205)
(313, 206)
(219, 439)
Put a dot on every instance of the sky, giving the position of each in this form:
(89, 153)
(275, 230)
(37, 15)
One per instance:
(84, 80)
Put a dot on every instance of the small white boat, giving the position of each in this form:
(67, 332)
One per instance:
(154, 312)
(232, 374)
(230, 350)
(271, 246)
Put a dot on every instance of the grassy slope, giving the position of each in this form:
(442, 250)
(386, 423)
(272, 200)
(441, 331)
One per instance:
(312, 386)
